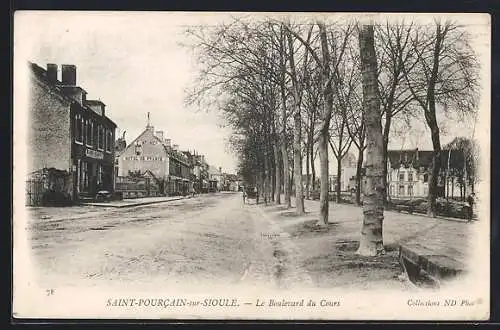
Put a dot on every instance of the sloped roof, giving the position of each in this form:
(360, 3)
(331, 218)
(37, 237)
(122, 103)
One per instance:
(168, 150)
(422, 158)
(41, 74)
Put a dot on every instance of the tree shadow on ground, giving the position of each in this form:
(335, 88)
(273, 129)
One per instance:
(312, 228)
(341, 265)
(292, 214)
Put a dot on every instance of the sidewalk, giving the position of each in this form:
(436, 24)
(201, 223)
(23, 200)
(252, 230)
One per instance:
(136, 201)
(435, 245)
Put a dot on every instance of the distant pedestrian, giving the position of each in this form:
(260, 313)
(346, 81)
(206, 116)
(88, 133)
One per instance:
(244, 194)
(256, 191)
(471, 201)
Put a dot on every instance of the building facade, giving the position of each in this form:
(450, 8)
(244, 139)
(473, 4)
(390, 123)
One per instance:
(408, 173)
(69, 133)
(151, 152)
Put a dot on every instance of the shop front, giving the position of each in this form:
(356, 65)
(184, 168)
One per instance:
(94, 172)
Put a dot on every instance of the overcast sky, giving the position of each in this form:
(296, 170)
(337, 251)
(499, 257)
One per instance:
(134, 64)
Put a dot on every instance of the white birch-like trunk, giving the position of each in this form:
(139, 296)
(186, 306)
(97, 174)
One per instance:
(371, 242)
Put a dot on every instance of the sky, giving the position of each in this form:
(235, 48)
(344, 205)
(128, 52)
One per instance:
(132, 61)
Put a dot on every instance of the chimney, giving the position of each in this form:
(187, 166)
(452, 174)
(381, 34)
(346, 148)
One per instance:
(417, 153)
(52, 72)
(68, 74)
(168, 142)
(220, 169)
(159, 134)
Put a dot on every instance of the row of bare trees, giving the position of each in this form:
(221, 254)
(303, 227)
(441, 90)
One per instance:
(294, 89)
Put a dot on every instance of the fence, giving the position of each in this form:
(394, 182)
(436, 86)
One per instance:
(48, 186)
(130, 187)
(34, 192)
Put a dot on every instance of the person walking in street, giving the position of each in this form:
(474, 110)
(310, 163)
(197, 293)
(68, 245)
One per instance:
(256, 191)
(244, 194)
(471, 201)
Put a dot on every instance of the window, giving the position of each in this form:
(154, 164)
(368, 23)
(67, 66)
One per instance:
(401, 176)
(109, 140)
(95, 138)
(101, 137)
(401, 190)
(138, 149)
(89, 135)
(391, 190)
(410, 190)
(79, 128)
(410, 176)
(426, 177)
(394, 176)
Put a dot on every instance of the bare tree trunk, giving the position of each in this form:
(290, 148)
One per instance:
(266, 178)
(371, 242)
(297, 166)
(277, 181)
(323, 163)
(286, 175)
(338, 195)
(452, 187)
(307, 170)
(359, 168)
(430, 117)
(313, 168)
(297, 134)
(385, 150)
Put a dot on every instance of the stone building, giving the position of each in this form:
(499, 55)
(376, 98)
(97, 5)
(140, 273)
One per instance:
(69, 133)
(408, 173)
(152, 152)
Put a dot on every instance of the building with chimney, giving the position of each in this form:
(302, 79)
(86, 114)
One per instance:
(408, 173)
(152, 152)
(68, 134)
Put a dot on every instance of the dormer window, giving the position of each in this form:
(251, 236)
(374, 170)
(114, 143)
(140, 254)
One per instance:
(138, 149)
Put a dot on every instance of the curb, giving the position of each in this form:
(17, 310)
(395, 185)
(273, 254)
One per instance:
(437, 267)
(134, 204)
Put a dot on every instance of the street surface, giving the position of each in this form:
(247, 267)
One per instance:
(216, 239)
(207, 239)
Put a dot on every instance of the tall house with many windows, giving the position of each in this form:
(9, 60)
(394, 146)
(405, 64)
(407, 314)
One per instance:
(69, 133)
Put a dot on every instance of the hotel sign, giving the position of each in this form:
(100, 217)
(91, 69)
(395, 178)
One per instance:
(94, 154)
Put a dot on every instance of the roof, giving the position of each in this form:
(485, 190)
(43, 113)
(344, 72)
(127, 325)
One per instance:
(422, 158)
(168, 150)
(61, 89)
(98, 102)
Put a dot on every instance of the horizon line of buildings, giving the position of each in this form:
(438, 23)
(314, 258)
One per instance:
(408, 177)
(73, 151)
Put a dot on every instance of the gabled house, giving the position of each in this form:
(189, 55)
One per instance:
(408, 172)
(151, 152)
